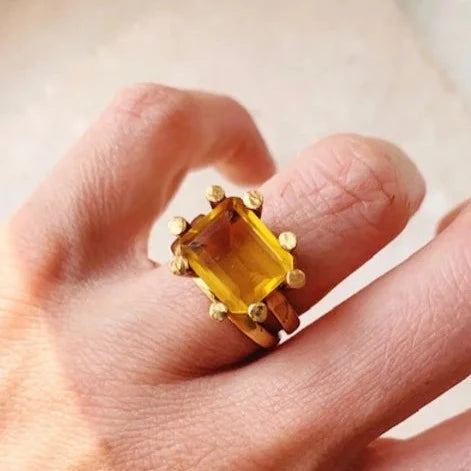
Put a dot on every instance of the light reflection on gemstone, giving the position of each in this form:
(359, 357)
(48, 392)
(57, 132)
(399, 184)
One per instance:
(236, 255)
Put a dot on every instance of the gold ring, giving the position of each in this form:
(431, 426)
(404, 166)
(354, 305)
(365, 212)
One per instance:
(239, 264)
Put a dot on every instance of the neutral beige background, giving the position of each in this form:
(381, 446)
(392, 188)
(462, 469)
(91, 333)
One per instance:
(304, 68)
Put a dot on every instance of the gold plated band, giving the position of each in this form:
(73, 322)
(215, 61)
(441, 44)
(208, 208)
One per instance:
(283, 311)
(254, 330)
(261, 333)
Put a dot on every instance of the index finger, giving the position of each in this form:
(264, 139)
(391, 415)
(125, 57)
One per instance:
(101, 201)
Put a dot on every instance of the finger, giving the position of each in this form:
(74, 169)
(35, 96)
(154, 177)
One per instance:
(383, 354)
(451, 216)
(444, 447)
(102, 200)
(345, 197)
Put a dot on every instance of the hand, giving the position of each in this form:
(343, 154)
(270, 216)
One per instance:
(109, 362)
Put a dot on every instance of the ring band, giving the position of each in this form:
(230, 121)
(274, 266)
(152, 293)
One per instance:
(283, 311)
(240, 265)
(254, 331)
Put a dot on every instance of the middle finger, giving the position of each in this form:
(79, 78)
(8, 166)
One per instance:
(345, 197)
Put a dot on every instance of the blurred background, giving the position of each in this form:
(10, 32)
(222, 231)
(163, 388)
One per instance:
(398, 69)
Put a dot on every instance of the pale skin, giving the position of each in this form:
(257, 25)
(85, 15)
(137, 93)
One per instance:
(110, 362)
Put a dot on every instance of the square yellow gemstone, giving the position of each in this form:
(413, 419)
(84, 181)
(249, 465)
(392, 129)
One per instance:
(236, 255)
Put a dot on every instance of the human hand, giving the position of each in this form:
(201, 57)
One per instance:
(109, 362)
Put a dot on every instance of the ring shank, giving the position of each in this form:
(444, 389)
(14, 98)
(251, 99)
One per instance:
(254, 331)
(278, 306)
(284, 312)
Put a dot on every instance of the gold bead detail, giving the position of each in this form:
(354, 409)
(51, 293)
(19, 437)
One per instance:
(288, 240)
(218, 311)
(215, 194)
(296, 278)
(177, 225)
(253, 199)
(258, 312)
(179, 265)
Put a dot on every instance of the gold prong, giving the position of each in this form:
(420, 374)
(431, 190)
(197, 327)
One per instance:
(178, 226)
(288, 240)
(218, 311)
(215, 194)
(258, 312)
(179, 265)
(253, 200)
(296, 278)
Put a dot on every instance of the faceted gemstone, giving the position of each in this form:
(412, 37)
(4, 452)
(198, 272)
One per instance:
(236, 255)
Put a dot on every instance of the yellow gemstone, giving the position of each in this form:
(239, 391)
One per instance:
(236, 255)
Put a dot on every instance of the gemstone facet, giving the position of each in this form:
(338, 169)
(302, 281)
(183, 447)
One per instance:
(236, 255)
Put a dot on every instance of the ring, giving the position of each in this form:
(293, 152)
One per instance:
(239, 264)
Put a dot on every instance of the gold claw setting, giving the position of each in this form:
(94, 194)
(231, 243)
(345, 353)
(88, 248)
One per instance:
(218, 311)
(258, 312)
(253, 200)
(179, 265)
(215, 194)
(239, 263)
(178, 226)
(288, 240)
(296, 279)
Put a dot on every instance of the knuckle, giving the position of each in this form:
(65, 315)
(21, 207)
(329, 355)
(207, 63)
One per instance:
(449, 267)
(23, 286)
(458, 270)
(452, 295)
(457, 276)
(150, 103)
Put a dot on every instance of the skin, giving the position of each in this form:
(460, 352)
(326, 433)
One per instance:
(109, 362)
